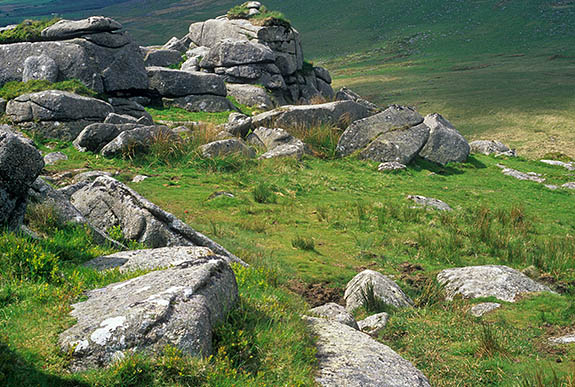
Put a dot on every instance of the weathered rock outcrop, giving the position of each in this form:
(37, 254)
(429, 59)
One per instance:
(345, 94)
(106, 203)
(160, 258)
(178, 306)
(348, 357)
(500, 282)
(161, 57)
(40, 68)
(334, 312)
(383, 288)
(90, 50)
(373, 324)
(136, 140)
(445, 143)
(57, 114)
(277, 142)
(232, 146)
(20, 165)
(250, 95)
(491, 147)
(338, 114)
(176, 83)
(401, 145)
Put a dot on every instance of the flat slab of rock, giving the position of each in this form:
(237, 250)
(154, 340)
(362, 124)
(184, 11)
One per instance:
(568, 339)
(334, 312)
(483, 308)
(568, 166)
(201, 103)
(384, 289)
(287, 150)
(423, 201)
(176, 83)
(150, 259)
(400, 145)
(445, 143)
(501, 282)
(374, 324)
(66, 29)
(491, 147)
(362, 132)
(232, 146)
(232, 52)
(161, 58)
(348, 357)
(106, 203)
(177, 306)
(529, 176)
(391, 166)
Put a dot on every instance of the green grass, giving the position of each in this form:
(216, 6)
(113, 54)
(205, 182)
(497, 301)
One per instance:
(27, 31)
(14, 89)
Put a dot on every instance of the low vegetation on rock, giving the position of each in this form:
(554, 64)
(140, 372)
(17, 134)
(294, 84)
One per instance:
(26, 31)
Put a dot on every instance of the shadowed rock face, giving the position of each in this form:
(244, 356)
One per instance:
(445, 143)
(348, 357)
(177, 306)
(20, 165)
(106, 203)
(500, 282)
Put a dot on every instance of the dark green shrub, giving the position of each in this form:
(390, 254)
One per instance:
(264, 194)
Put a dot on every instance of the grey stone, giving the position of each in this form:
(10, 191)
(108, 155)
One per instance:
(176, 83)
(567, 339)
(570, 185)
(374, 324)
(391, 166)
(178, 306)
(345, 94)
(177, 44)
(136, 140)
(296, 151)
(139, 178)
(322, 73)
(89, 176)
(271, 138)
(490, 147)
(362, 132)
(568, 166)
(150, 259)
(3, 103)
(483, 308)
(20, 165)
(529, 176)
(445, 143)
(66, 29)
(325, 90)
(383, 288)
(107, 202)
(250, 95)
(161, 58)
(40, 68)
(42, 193)
(253, 5)
(54, 106)
(348, 357)
(229, 52)
(334, 312)
(54, 157)
(201, 103)
(103, 69)
(500, 282)
(423, 201)
(232, 146)
(129, 107)
(401, 145)
(95, 136)
(114, 118)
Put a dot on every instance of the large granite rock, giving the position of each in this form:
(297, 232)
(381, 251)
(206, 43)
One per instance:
(178, 306)
(333, 113)
(334, 312)
(57, 114)
(151, 259)
(250, 95)
(201, 103)
(230, 52)
(500, 282)
(108, 62)
(345, 94)
(160, 57)
(40, 68)
(384, 289)
(277, 142)
(362, 132)
(106, 203)
(177, 83)
(348, 357)
(66, 29)
(445, 144)
(95, 136)
(229, 147)
(130, 142)
(400, 145)
(20, 165)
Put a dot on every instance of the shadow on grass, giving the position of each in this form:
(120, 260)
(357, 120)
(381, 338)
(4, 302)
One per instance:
(16, 371)
(420, 164)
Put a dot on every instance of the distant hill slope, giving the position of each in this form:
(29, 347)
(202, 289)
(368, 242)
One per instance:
(334, 27)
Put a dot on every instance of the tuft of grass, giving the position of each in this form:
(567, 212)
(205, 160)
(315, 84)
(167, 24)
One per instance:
(263, 193)
(371, 303)
(302, 243)
(27, 31)
(489, 342)
(322, 139)
(15, 89)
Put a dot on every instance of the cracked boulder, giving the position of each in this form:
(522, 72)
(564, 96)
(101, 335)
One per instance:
(20, 165)
(178, 306)
(501, 282)
(66, 29)
(139, 139)
(108, 203)
(445, 143)
(57, 114)
(348, 357)
(401, 145)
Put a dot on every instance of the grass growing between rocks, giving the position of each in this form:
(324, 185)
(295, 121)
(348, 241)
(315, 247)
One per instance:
(15, 89)
(26, 31)
(358, 218)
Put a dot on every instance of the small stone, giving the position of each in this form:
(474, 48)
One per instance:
(220, 194)
(568, 339)
(372, 325)
(529, 176)
(54, 157)
(570, 185)
(430, 202)
(139, 178)
(391, 166)
(567, 166)
(483, 308)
